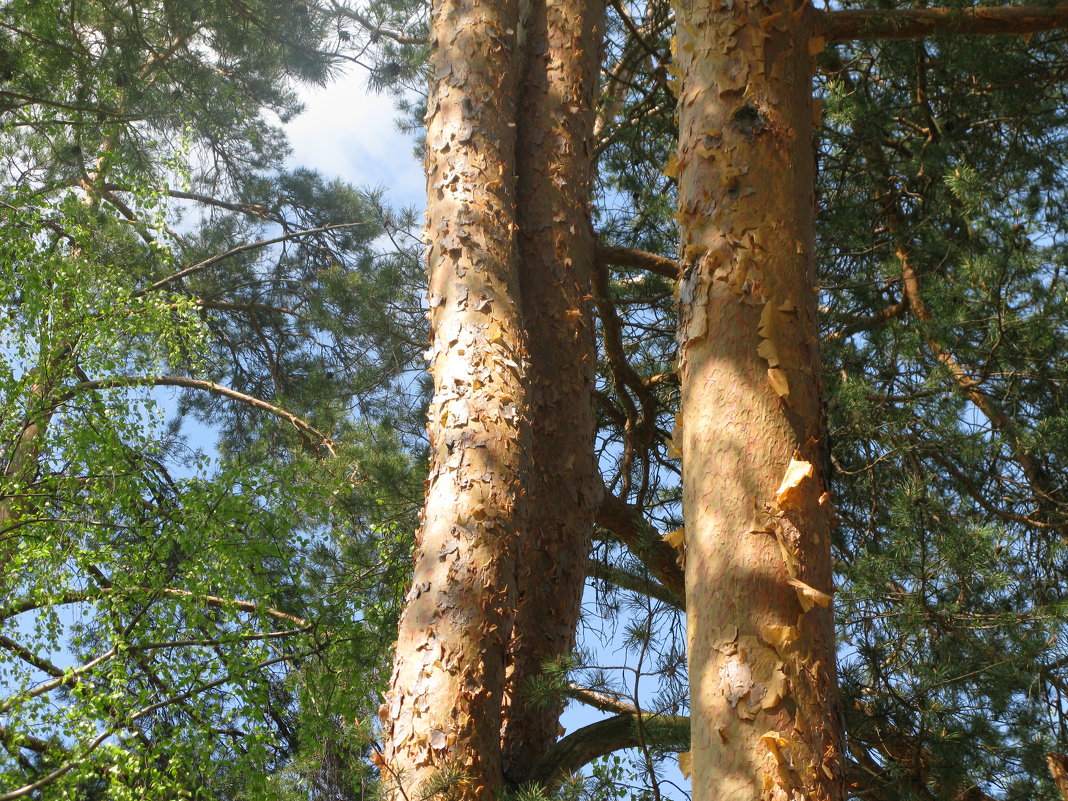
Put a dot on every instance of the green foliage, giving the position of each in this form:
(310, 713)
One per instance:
(177, 624)
(945, 416)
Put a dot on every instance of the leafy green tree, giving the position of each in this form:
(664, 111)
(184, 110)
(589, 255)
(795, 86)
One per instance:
(171, 620)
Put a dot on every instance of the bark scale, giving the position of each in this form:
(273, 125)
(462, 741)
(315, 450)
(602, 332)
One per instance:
(556, 249)
(764, 700)
(441, 719)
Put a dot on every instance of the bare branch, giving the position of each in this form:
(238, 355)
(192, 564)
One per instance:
(629, 257)
(599, 700)
(644, 585)
(208, 386)
(201, 265)
(912, 23)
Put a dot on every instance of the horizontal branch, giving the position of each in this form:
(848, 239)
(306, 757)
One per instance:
(208, 386)
(222, 305)
(912, 23)
(606, 702)
(252, 209)
(634, 582)
(857, 324)
(642, 259)
(377, 30)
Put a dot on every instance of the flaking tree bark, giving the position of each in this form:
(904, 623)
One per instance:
(442, 715)
(556, 251)
(764, 698)
(513, 489)
(514, 486)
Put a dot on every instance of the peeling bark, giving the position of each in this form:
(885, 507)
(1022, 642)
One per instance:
(764, 697)
(442, 716)
(556, 250)
(514, 486)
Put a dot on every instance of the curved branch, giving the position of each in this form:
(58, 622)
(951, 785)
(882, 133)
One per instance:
(308, 430)
(625, 730)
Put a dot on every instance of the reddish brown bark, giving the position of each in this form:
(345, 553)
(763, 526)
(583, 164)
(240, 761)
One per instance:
(764, 698)
(912, 23)
(556, 247)
(441, 719)
(514, 484)
(1058, 769)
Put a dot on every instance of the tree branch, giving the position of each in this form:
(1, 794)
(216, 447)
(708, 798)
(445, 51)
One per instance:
(912, 23)
(599, 700)
(625, 730)
(635, 582)
(858, 324)
(208, 386)
(643, 260)
(211, 601)
(376, 30)
(626, 524)
(195, 268)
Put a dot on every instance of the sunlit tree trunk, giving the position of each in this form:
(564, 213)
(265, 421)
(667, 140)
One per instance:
(555, 125)
(764, 698)
(441, 720)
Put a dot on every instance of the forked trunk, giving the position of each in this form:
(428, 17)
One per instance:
(441, 720)
(764, 700)
(513, 485)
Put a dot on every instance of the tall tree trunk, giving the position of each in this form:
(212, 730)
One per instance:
(764, 697)
(441, 720)
(556, 245)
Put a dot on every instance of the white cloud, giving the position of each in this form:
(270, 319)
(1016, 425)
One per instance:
(349, 132)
